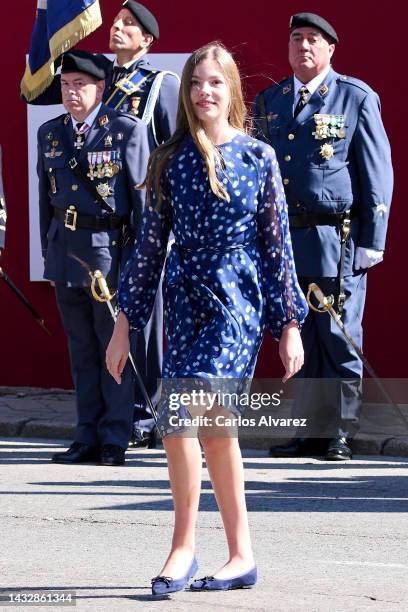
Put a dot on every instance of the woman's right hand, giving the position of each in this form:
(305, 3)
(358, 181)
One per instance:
(118, 349)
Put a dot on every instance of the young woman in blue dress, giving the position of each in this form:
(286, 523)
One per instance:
(230, 274)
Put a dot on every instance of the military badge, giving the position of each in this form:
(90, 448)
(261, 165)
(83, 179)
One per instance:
(103, 164)
(329, 126)
(119, 136)
(49, 136)
(53, 183)
(134, 104)
(286, 89)
(103, 120)
(323, 90)
(271, 117)
(327, 151)
(108, 141)
(53, 153)
(79, 140)
(66, 119)
(104, 190)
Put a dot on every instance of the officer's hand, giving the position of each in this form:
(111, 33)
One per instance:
(118, 349)
(52, 283)
(291, 350)
(366, 258)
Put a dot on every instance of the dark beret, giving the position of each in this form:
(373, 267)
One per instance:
(144, 17)
(302, 20)
(82, 61)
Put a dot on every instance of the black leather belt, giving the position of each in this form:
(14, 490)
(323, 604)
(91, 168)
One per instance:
(343, 222)
(313, 219)
(74, 220)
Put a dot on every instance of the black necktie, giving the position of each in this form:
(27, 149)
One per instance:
(119, 72)
(303, 100)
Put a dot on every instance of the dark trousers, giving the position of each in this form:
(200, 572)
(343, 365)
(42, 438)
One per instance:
(328, 388)
(147, 350)
(105, 409)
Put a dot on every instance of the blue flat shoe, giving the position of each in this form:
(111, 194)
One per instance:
(209, 583)
(162, 585)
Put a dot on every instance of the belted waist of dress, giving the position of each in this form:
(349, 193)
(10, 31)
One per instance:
(313, 219)
(178, 253)
(208, 249)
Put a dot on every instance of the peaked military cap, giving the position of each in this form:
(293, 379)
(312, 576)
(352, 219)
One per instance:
(144, 16)
(82, 61)
(302, 20)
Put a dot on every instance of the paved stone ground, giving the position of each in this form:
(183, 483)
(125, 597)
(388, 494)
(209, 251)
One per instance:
(327, 537)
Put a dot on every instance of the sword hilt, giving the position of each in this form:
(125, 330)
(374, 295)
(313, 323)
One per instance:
(325, 303)
(103, 295)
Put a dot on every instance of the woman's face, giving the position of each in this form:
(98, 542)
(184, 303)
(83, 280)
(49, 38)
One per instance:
(209, 93)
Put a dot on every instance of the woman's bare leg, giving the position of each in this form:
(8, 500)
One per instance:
(185, 465)
(224, 463)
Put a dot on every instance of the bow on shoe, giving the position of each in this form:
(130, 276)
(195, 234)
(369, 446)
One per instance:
(167, 581)
(208, 578)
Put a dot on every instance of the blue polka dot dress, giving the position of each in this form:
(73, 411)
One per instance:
(230, 272)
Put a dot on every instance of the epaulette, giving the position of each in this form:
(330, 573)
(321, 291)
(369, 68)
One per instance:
(125, 115)
(53, 120)
(275, 86)
(348, 80)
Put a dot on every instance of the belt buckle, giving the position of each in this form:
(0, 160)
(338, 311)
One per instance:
(70, 219)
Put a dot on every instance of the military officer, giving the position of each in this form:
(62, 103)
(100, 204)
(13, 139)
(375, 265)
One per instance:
(90, 162)
(3, 212)
(134, 86)
(335, 160)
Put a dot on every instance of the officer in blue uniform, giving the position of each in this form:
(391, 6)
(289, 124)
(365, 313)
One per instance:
(134, 86)
(3, 211)
(335, 160)
(90, 162)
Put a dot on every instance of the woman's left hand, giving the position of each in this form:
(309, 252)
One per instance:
(291, 350)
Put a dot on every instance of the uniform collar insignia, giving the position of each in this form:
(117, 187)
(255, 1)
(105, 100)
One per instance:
(103, 120)
(67, 118)
(324, 89)
(287, 89)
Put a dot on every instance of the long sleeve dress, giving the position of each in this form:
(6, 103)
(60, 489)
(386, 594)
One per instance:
(230, 272)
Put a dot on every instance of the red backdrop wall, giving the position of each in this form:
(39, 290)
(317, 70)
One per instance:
(370, 48)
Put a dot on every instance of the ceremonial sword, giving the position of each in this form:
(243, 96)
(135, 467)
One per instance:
(105, 295)
(326, 305)
(24, 300)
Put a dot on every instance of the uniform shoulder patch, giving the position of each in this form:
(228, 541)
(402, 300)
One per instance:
(127, 121)
(54, 120)
(279, 86)
(344, 78)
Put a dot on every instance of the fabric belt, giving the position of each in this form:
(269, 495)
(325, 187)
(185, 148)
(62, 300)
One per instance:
(313, 219)
(73, 220)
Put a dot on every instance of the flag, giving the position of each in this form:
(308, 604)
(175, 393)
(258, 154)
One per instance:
(59, 26)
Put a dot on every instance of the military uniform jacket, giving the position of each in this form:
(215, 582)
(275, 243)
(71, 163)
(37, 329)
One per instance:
(3, 212)
(113, 139)
(163, 119)
(334, 156)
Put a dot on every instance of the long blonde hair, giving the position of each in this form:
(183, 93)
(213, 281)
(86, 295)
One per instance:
(187, 121)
